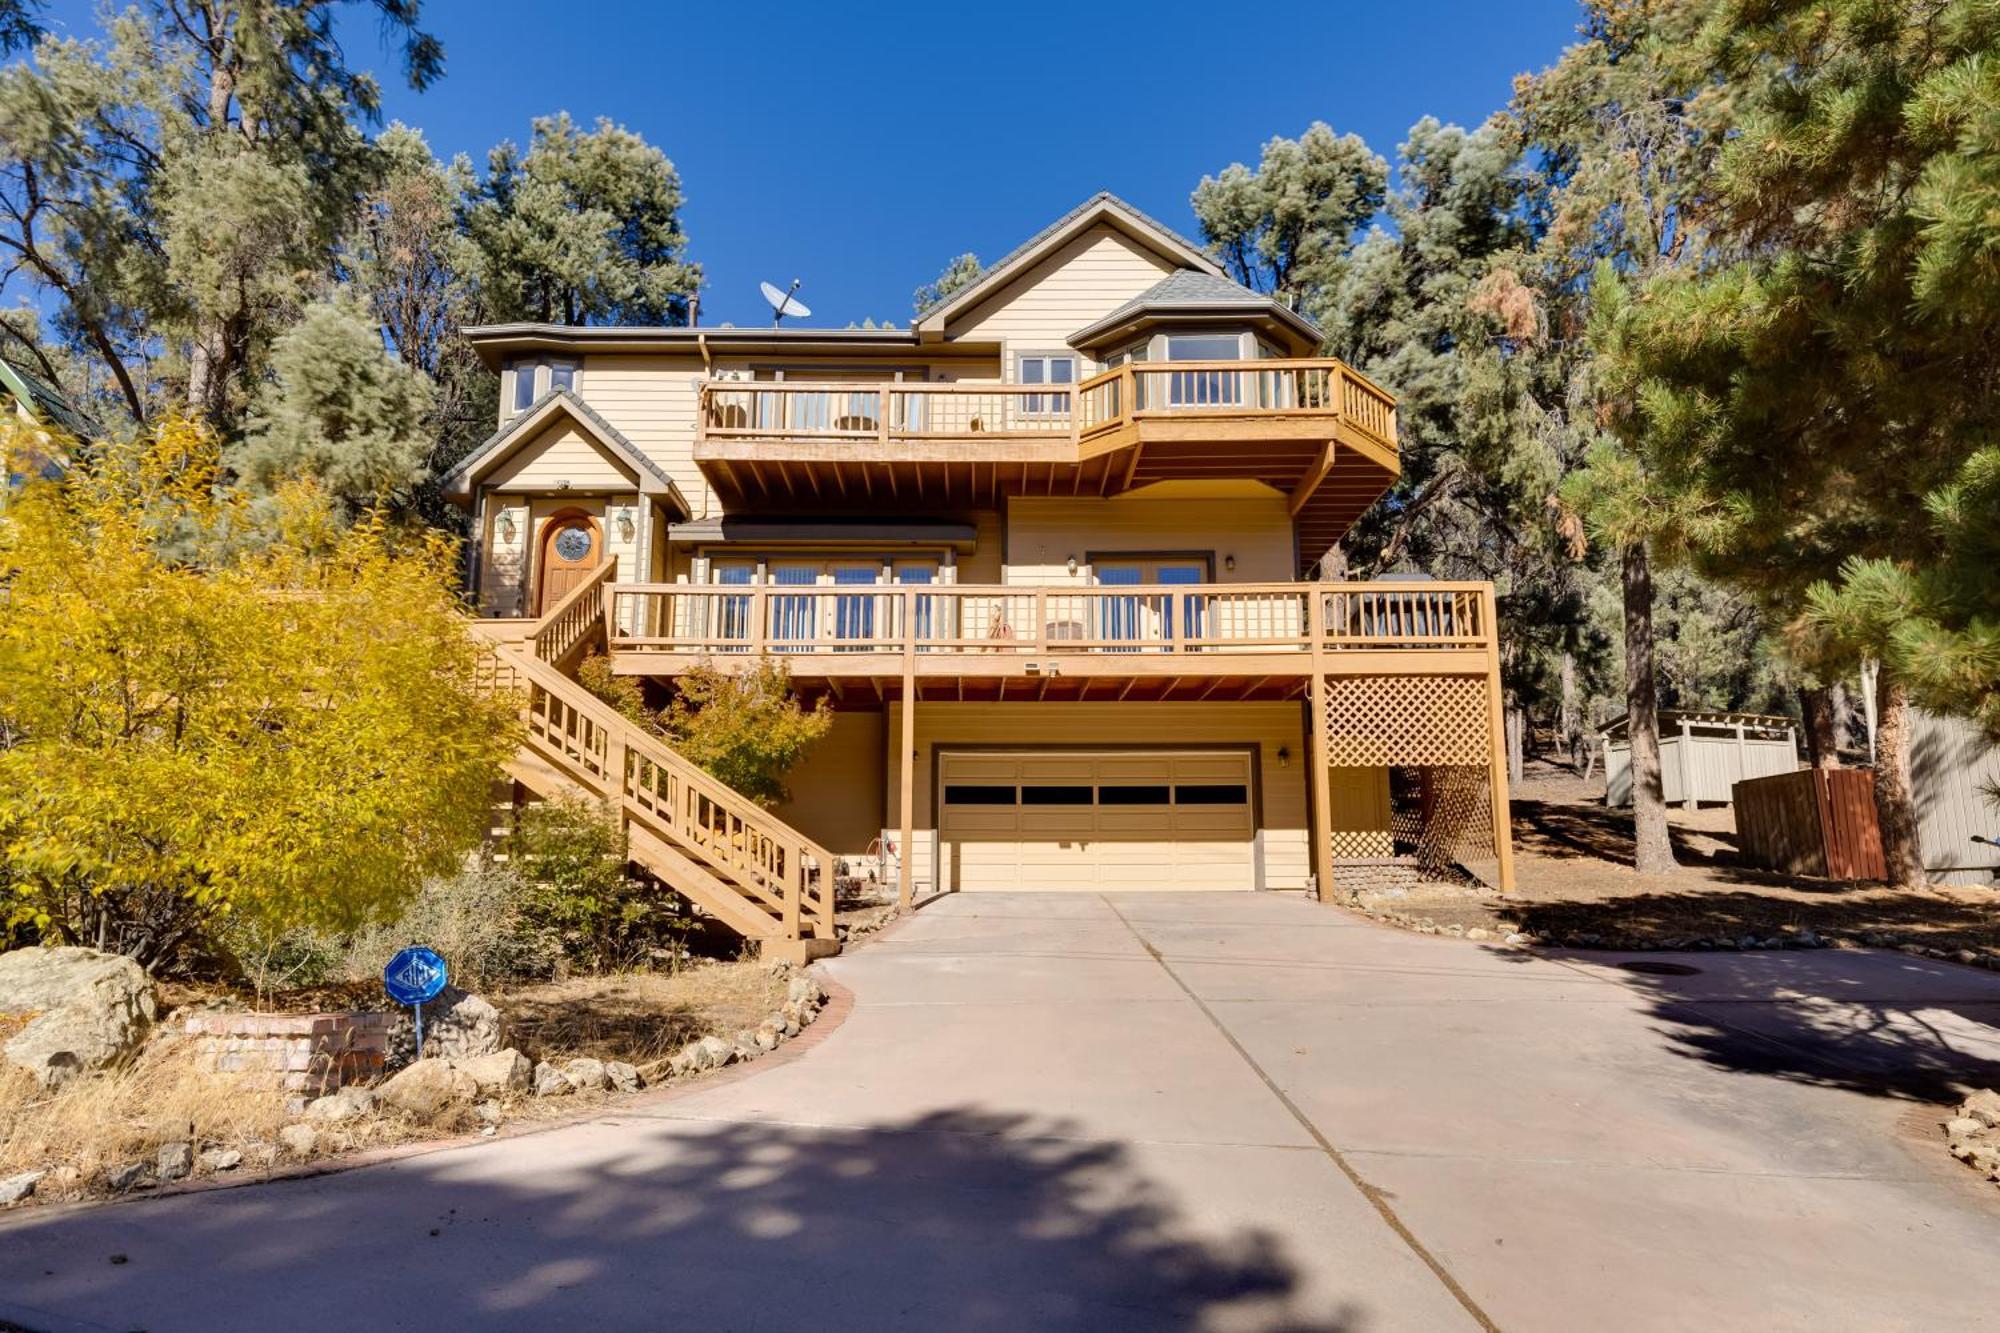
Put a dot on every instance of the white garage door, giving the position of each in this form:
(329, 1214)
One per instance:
(1084, 820)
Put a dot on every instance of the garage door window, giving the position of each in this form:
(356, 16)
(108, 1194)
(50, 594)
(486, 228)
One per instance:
(1043, 795)
(1210, 794)
(1132, 795)
(964, 795)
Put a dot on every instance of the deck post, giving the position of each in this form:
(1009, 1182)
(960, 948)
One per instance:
(1321, 858)
(906, 752)
(1503, 830)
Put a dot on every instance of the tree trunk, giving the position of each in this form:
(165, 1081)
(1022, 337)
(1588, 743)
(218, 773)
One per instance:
(1895, 805)
(1652, 849)
(1569, 726)
(1822, 739)
(1517, 742)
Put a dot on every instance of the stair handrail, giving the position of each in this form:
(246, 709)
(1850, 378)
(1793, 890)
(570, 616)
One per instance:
(572, 620)
(796, 898)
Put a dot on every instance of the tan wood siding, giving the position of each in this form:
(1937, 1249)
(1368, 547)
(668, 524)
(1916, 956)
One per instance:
(651, 402)
(837, 791)
(1081, 283)
(1043, 534)
(561, 454)
(1269, 727)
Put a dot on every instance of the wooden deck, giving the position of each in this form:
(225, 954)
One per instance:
(1196, 641)
(1316, 429)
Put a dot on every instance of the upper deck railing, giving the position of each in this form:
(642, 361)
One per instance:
(1187, 620)
(783, 410)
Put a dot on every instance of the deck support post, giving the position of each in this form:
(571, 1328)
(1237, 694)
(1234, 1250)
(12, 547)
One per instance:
(1321, 852)
(906, 752)
(1496, 717)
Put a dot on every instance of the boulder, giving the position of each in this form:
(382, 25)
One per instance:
(805, 990)
(220, 1159)
(349, 1103)
(89, 1010)
(429, 1088)
(586, 1074)
(459, 1026)
(746, 1044)
(715, 1052)
(624, 1078)
(174, 1160)
(13, 1189)
(1962, 1127)
(489, 1112)
(501, 1072)
(129, 1176)
(299, 1140)
(549, 1081)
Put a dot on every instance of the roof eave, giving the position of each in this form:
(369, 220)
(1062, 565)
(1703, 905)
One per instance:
(1111, 327)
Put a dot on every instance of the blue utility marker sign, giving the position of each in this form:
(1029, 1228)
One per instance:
(415, 975)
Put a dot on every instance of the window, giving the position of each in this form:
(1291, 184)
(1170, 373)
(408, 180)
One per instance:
(1049, 795)
(1211, 793)
(536, 375)
(1132, 795)
(1047, 370)
(1205, 388)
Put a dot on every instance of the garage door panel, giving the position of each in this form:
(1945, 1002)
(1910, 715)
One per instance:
(1126, 831)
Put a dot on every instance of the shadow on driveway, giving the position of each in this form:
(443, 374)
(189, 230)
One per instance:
(962, 1219)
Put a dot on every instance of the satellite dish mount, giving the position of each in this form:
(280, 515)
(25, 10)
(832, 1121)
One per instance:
(783, 303)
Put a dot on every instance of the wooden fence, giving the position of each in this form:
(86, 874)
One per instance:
(1815, 821)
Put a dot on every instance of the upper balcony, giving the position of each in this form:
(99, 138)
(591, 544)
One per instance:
(1316, 429)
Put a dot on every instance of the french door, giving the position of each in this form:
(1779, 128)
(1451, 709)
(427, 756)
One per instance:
(1147, 617)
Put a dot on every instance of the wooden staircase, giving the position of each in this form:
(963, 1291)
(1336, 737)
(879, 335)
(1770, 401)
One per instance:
(722, 851)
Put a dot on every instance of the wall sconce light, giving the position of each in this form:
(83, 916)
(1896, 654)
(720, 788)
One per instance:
(1229, 563)
(1284, 756)
(506, 525)
(1072, 566)
(625, 525)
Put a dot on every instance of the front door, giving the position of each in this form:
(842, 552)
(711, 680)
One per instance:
(571, 549)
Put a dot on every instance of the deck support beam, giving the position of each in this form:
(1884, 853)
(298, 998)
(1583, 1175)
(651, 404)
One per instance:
(906, 753)
(1496, 711)
(1321, 851)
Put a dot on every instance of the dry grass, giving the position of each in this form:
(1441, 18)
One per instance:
(638, 1018)
(91, 1126)
(98, 1124)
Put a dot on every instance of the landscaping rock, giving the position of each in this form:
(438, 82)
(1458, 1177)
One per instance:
(220, 1159)
(549, 1081)
(716, 1052)
(428, 1088)
(1983, 1106)
(459, 1026)
(586, 1074)
(489, 1112)
(687, 1060)
(501, 1072)
(768, 1038)
(13, 1189)
(175, 1160)
(129, 1176)
(350, 1103)
(746, 1044)
(805, 990)
(299, 1140)
(90, 1010)
(624, 1078)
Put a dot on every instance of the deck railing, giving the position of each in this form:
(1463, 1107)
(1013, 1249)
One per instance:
(680, 618)
(963, 410)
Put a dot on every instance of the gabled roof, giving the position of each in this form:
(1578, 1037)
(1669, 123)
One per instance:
(1189, 292)
(560, 403)
(45, 404)
(1100, 207)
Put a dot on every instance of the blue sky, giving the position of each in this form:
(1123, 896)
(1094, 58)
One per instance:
(860, 146)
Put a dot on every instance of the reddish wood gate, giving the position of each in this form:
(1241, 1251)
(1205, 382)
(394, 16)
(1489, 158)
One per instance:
(1816, 821)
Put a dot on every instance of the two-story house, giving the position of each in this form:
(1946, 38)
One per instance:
(1046, 551)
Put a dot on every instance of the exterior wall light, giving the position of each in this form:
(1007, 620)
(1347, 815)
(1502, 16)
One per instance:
(1229, 563)
(625, 525)
(1284, 756)
(1072, 566)
(507, 525)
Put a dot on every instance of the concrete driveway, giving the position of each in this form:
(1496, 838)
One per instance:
(1167, 1112)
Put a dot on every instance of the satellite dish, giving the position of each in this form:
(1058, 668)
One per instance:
(783, 303)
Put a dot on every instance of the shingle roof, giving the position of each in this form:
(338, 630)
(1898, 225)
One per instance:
(582, 410)
(1190, 289)
(1035, 242)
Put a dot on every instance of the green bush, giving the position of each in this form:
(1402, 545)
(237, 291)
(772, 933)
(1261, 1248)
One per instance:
(572, 856)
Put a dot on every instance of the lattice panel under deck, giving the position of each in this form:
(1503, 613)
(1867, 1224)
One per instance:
(1372, 721)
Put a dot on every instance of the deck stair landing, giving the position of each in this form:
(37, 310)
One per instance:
(722, 851)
